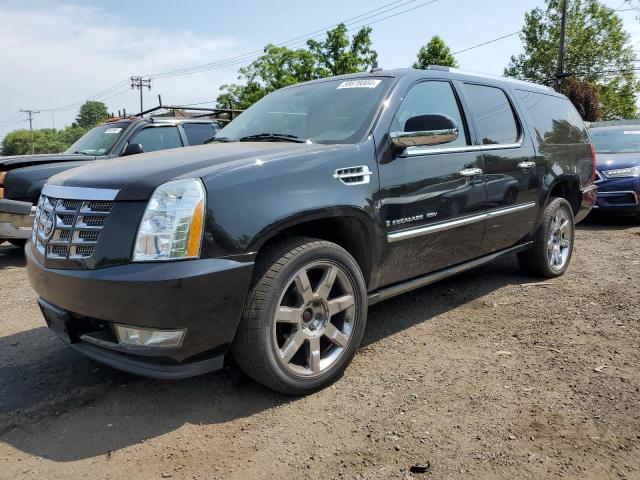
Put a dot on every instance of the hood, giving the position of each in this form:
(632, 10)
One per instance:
(609, 161)
(137, 176)
(18, 161)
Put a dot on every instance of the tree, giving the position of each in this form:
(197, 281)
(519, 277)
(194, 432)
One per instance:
(597, 51)
(336, 55)
(435, 52)
(91, 114)
(281, 66)
(585, 98)
(46, 140)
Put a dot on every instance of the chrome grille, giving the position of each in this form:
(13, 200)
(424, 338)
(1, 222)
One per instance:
(68, 229)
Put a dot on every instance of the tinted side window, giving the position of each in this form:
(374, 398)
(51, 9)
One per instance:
(431, 97)
(555, 119)
(198, 133)
(493, 112)
(157, 138)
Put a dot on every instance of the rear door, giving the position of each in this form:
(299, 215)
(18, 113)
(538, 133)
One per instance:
(511, 172)
(433, 210)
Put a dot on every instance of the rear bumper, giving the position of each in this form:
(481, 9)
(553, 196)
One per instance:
(205, 297)
(587, 202)
(16, 219)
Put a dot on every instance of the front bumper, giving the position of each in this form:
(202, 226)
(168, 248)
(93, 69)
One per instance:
(619, 196)
(16, 219)
(205, 297)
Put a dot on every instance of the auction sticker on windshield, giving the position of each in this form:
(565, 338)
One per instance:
(359, 84)
(111, 131)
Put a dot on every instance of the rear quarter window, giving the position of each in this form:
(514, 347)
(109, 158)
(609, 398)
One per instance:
(555, 119)
(199, 133)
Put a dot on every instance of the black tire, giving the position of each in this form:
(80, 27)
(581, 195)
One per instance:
(535, 261)
(18, 243)
(256, 348)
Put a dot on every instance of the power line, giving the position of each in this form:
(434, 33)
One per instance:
(486, 43)
(300, 39)
(290, 43)
(370, 14)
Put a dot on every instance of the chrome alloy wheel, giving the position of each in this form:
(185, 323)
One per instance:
(314, 319)
(559, 242)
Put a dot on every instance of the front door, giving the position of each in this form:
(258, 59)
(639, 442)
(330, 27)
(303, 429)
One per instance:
(432, 198)
(510, 169)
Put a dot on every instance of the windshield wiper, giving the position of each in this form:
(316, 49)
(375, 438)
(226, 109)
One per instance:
(218, 139)
(272, 137)
(83, 153)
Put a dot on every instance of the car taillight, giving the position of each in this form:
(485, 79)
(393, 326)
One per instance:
(2, 175)
(593, 162)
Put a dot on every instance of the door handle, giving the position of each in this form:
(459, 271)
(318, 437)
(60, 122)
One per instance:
(470, 172)
(526, 165)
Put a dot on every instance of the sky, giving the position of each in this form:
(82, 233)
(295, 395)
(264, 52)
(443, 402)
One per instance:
(59, 53)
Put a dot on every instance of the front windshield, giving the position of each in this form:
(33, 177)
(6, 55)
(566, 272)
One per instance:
(335, 111)
(616, 141)
(98, 140)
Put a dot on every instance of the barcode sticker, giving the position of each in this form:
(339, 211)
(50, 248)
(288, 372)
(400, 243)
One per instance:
(110, 131)
(359, 84)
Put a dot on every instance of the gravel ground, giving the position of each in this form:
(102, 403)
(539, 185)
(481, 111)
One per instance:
(490, 374)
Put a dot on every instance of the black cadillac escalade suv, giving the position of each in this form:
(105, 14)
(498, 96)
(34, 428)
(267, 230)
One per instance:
(323, 198)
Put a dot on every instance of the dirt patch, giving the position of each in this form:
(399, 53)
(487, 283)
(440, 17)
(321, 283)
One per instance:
(491, 374)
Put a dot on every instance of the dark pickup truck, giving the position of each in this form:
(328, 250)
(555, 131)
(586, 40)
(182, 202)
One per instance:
(320, 200)
(22, 177)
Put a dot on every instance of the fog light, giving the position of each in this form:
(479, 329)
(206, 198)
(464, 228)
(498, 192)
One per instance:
(144, 337)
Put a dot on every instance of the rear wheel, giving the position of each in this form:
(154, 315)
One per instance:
(304, 317)
(552, 243)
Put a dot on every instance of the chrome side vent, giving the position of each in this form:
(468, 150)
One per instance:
(353, 175)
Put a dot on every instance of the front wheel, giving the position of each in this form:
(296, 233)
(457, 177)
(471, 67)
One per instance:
(304, 316)
(552, 243)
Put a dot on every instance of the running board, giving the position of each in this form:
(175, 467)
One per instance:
(400, 288)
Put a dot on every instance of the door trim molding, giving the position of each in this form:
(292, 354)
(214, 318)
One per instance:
(458, 222)
(414, 151)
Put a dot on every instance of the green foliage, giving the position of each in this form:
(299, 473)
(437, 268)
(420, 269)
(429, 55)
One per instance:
(91, 114)
(584, 97)
(282, 66)
(597, 51)
(46, 140)
(435, 52)
(335, 55)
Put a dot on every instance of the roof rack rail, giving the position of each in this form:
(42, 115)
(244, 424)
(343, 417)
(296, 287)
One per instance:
(441, 68)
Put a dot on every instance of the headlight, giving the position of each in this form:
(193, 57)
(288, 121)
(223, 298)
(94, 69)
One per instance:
(172, 225)
(622, 172)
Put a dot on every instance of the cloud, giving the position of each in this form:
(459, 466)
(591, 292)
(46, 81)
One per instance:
(62, 54)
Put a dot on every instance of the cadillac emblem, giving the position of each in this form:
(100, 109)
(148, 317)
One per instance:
(49, 226)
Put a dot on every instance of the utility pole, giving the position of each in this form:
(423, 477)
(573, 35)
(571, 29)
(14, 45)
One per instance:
(31, 113)
(139, 83)
(563, 25)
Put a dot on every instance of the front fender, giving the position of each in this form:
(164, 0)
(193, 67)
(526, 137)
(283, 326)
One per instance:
(249, 205)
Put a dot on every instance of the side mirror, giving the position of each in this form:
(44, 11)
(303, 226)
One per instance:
(132, 149)
(426, 130)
